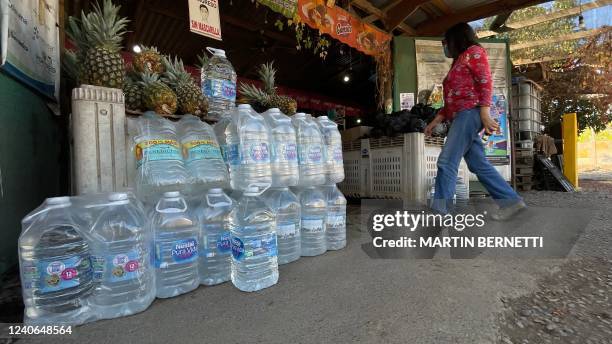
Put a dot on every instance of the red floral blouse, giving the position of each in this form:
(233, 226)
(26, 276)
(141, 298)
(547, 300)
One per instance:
(468, 83)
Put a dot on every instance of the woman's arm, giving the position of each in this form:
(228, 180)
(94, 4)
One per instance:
(478, 63)
(437, 120)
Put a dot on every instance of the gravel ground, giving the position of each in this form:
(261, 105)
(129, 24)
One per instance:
(574, 303)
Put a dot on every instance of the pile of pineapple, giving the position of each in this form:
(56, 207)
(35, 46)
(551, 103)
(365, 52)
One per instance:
(266, 98)
(154, 82)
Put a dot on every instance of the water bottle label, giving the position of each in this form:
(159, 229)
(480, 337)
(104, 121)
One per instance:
(220, 89)
(180, 252)
(310, 154)
(337, 153)
(257, 153)
(122, 267)
(200, 150)
(313, 225)
(265, 246)
(217, 245)
(284, 152)
(286, 230)
(155, 150)
(233, 154)
(336, 220)
(98, 266)
(223, 149)
(62, 274)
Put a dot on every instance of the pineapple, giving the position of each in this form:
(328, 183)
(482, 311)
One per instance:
(133, 95)
(202, 60)
(149, 60)
(286, 104)
(267, 97)
(189, 95)
(98, 37)
(157, 96)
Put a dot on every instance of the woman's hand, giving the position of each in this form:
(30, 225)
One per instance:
(433, 124)
(490, 125)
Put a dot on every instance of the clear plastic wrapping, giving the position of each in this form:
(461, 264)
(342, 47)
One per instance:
(159, 159)
(85, 258)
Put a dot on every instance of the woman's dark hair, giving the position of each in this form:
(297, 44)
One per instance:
(459, 37)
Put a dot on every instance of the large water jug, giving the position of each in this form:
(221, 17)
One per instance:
(159, 161)
(54, 261)
(254, 250)
(335, 222)
(249, 148)
(227, 130)
(286, 207)
(201, 154)
(313, 204)
(334, 165)
(283, 157)
(216, 249)
(120, 256)
(219, 83)
(219, 129)
(310, 151)
(176, 246)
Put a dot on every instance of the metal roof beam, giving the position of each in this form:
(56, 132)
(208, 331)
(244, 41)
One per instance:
(562, 38)
(549, 17)
(396, 15)
(380, 14)
(439, 25)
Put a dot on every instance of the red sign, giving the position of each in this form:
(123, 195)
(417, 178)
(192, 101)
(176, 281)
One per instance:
(341, 25)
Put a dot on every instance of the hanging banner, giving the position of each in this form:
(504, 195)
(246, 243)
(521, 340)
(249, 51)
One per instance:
(29, 43)
(342, 26)
(204, 18)
(284, 7)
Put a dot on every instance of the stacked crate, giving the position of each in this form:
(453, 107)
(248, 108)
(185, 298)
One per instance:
(527, 116)
(523, 168)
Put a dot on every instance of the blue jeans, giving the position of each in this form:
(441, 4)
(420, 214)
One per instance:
(463, 141)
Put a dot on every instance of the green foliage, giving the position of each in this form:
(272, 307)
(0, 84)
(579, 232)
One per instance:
(589, 116)
(541, 31)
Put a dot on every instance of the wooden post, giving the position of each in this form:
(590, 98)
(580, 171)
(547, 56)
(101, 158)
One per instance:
(570, 147)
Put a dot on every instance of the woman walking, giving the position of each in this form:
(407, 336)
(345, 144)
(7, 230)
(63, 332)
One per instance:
(468, 92)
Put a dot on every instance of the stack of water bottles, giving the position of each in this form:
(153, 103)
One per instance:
(102, 256)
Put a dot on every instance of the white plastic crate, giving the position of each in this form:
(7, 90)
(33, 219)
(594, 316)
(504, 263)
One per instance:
(99, 148)
(387, 157)
(404, 167)
(355, 170)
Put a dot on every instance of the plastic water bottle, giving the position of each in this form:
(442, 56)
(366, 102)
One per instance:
(335, 222)
(159, 161)
(219, 129)
(201, 154)
(175, 246)
(254, 251)
(333, 147)
(283, 158)
(216, 249)
(313, 204)
(227, 130)
(219, 83)
(249, 152)
(286, 207)
(310, 151)
(120, 256)
(54, 261)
